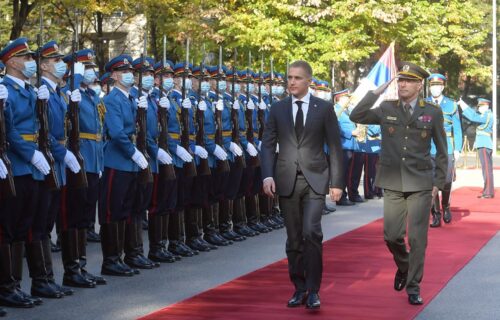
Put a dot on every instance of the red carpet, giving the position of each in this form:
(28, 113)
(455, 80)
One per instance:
(358, 273)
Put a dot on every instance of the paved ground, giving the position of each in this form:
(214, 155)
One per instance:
(472, 293)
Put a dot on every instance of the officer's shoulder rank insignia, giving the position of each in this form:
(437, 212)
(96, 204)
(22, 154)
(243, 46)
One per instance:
(424, 134)
(392, 118)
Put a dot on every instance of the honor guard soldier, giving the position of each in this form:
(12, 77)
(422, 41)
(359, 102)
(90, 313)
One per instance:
(349, 142)
(79, 204)
(2, 71)
(372, 148)
(453, 129)
(405, 170)
(122, 161)
(106, 83)
(483, 143)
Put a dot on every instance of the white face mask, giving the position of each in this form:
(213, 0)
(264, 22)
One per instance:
(483, 109)
(436, 90)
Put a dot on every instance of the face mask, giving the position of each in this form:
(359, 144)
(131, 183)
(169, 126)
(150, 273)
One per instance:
(148, 82)
(263, 89)
(29, 68)
(205, 86)
(275, 90)
(97, 89)
(236, 88)
(436, 91)
(281, 90)
(251, 87)
(59, 69)
(89, 76)
(188, 84)
(127, 79)
(328, 96)
(483, 109)
(223, 86)
(168, 83)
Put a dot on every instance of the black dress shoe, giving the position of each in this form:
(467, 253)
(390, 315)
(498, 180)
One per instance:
(211, 246)
(36, 301)
(42, 288)
(245, 231)
(159, 254)
(446, 215)
(357, 199)
(113, 267)
(486, 196)
(92, 236)
(298, 299)
(231, 235)
(436, 220)
(400, 280)
(415, 299)
(97, 279)
(65, 290)
(259, 227)
(345, 202)
(196, 244)
(178, 248)
(15, 299)
(215, 239)
(312, 301)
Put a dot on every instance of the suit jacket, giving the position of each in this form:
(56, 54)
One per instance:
(307, 152)
(405, 160)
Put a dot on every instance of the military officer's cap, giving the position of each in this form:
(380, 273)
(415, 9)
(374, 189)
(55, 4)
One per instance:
(147, 64)
(161, 68)
(86, 56)
(436, 78)
(244, 76)
(314, 83)
(411, 71)
(15, 48)
(230, 75)
(197, 72)
(122, 62)
(105, 77)
(483, 102)
(322, 85)
(50, 50)
(341, 93)
(279, 78)
(179, 69)
(213, 72)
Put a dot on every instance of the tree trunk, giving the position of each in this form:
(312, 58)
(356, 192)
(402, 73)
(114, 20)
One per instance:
(100, 59)
(152, 41)
(21, 10)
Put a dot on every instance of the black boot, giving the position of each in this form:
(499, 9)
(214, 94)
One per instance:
(82, 259)
(165, 222)
(436, 214)
(182, 237)
(72, 275)
(9, 296)
(122, 230)
(111, 264)
(92, 236)
(253, 215)
(445, 202)
(211, 223)
(40, 285)
(174, 237)
(133, 255)
(17, 252)
(226, 223)
(47, 255)
(140, 247)
(155, 232)
(239, 214)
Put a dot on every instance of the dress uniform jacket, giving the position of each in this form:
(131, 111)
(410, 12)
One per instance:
(346, 127)
(405, 161)
(373, 136)
(226, 120)
(174, 127)
(91, 116)
(485, 128)
(452, 125)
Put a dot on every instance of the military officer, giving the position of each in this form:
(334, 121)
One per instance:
(453, 129)
(484, 144)
(122, 161)
(405, 170)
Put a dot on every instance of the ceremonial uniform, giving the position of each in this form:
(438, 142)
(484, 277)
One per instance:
(372, 149)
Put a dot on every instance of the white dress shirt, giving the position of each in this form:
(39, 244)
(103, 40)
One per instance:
(305, 107)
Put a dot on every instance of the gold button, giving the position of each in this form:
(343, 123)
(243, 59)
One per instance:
(406, 137)
(407, 127)
(404, 148)
(403, 159)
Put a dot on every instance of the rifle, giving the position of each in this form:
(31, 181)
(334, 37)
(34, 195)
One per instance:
(260, 113)
(235, 134)
(286, 77)
(254, 161)
(51, 181)
(203, 168)
(7, 186)
(79, 179)
(271, 82)
(222, 165)
(145, 175)
(167, 171)
(189, 167)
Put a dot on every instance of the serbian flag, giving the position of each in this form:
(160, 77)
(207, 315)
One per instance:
(384, 70)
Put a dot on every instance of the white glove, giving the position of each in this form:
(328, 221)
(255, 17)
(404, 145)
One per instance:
(220, 105)
(165, 103)
(143, 102)
(277, 148)
(79, 68)
(251, 150)
(259, 145)
(200, 152)
(3, 170)
(251, 105)
(462, 104)
(43, 93)
(71, 162)
(219, 153)
(39, 161)
(186, 104)
(236, 104)
(100, 174)
(139, 159)
(4, 93)
(262, 105)
(75, 96)
(202, 106)
(456, 154)
(183, 154)
(235, 149)
(163, 157)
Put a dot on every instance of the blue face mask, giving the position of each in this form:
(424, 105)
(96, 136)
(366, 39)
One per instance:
(251, 87)
(59, 69)
(29, 68)
(188, 84)
(168, 83)
(148, 82)
(127, 79)
(222, 86)
(280, 90)
(236, 88)
(205, 87)
(97, 89)
(263, 89)
(89, 76)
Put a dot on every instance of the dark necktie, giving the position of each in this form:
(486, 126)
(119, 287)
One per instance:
(437, 102)
(408, 111)
(299, 119)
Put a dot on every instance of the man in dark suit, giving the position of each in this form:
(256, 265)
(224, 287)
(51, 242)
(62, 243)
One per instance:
(302, 176)
(405, 170)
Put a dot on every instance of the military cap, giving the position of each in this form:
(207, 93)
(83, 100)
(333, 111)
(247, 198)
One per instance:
(15, 48)
(314, 83)
(245, 76)
(322, 85)
(213, 72)
(105, 77)
(179, 68)
(279, 78)
(437, 78)
(86, 56)
(230, 75)
(147, 64)
(483, 102)
(161, 68)
(197, 72)
(341, 93)
(122, 62)
(411, 71)
(50, 50)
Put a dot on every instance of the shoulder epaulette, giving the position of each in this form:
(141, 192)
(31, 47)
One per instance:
(431, 103)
